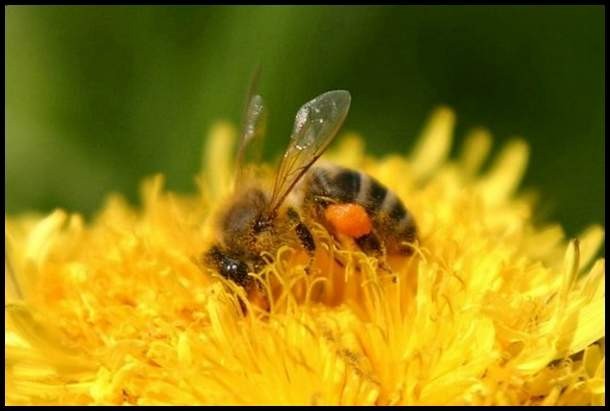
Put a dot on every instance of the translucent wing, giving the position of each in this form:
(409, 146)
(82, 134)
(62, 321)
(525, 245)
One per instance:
(252, 134)
(253, 128)
(315, 126)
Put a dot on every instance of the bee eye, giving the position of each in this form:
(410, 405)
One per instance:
(234, 269)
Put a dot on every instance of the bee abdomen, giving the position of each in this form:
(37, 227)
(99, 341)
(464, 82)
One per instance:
(349, 186)
(383, 204)
(392, 222)
(339, 184)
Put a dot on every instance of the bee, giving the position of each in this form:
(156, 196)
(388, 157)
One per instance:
(346, 202)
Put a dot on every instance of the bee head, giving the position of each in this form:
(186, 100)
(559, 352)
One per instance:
(229, 267)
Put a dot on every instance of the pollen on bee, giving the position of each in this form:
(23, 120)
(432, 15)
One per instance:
(349, 219)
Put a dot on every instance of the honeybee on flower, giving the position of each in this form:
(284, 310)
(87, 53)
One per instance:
(491, 308)
(349, 203)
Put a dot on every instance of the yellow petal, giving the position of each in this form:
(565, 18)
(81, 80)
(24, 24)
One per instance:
(506, 172)
(40, 239)
(590, 325)
(218, 161)
(592, 359)
(475, 151)
(590, 242)
(434, 143)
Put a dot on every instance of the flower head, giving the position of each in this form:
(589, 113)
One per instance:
(490, 309)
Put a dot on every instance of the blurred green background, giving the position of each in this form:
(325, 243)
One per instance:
(99, 97)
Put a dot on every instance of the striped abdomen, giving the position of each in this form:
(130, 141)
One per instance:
(391, 220)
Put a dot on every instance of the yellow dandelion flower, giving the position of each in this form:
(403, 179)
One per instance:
(490, 309)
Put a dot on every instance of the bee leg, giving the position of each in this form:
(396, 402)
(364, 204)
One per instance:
(372, 245)
(304, 236)
(302, 232)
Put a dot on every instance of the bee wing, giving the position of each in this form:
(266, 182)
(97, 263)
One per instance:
(315, 126)
(252, 134)
(253, 129)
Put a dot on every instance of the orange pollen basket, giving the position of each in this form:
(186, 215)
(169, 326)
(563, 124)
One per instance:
(349, 219)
